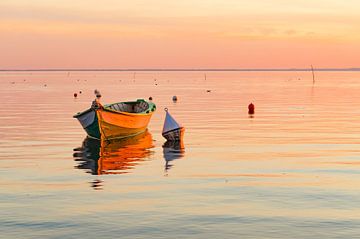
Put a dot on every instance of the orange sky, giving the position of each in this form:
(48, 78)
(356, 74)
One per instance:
(179, 34)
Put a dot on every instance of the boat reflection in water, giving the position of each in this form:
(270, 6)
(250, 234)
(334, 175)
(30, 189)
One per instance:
(172, 150)
(115, 156)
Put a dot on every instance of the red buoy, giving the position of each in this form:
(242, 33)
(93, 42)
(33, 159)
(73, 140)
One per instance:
(251, 108)
(75, 95)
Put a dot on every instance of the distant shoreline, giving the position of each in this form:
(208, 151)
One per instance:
(181, 69)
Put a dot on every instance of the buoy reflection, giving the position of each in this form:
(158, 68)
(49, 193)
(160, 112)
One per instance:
(115, 156)
(172, 150)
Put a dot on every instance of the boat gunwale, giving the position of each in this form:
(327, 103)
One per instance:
(77, 115)
(92, 137)
(107, 108)
(143, 113)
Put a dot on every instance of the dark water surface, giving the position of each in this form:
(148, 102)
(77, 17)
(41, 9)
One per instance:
(291, 171)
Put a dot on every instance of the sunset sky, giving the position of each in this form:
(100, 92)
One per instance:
(179, 34)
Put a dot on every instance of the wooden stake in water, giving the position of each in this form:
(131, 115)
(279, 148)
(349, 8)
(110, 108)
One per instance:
(205, 76)
(313, 75)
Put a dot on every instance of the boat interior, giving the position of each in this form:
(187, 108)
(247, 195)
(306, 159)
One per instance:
(130, 107)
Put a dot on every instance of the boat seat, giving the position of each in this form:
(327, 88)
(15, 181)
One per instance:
(130, 108)
(116, 107)
(121, 107)
(141, 107)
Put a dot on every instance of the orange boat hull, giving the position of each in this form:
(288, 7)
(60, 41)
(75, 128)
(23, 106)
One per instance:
(114, 125)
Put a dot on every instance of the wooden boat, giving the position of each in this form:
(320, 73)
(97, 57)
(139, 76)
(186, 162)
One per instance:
(117, 120)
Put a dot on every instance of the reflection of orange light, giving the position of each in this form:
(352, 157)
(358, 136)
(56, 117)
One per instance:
(182, 131)
(182, 144)
(122, 155)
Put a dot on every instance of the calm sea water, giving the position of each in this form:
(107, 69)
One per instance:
(291, 171)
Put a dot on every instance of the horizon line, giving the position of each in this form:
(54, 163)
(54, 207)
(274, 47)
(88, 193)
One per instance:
(181, 69)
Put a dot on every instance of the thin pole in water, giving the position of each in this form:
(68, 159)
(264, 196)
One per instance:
(313, 75)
